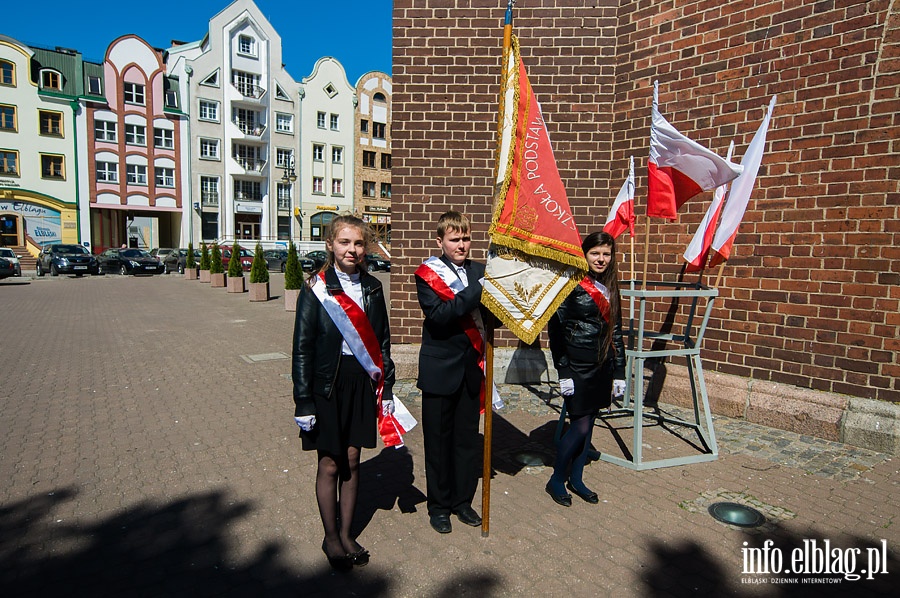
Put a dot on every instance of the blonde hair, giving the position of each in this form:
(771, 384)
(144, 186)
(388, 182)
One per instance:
(452, 220)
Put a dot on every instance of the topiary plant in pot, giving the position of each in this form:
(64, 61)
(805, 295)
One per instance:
(259, 276)
(205, 263)
(293, 279)
(236, 282)
(190, 266)
(216, 270)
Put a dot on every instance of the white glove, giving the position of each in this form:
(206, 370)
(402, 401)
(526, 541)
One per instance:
(387, 407)
(566, 387)
(618, 388)
(306, 422)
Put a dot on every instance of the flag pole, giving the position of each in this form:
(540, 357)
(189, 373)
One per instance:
(719, 275)
(489, 329)
(647, 230)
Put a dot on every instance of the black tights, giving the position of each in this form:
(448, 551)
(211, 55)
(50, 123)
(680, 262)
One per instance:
(573, 448)
(337, 486)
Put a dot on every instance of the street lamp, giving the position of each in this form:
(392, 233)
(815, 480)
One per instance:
(290, 175)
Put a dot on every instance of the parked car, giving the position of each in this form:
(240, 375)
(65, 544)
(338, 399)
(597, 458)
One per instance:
(129, 261)
(160, 253)
(246, 257)
(375, 262)
(7, 268)
(275, 259)
(66, 259)
(176, 260)
(318, 260)
(10, 255)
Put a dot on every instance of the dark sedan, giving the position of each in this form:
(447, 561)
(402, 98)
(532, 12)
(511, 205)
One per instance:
(316, 259)
(176, 261)
(129, 261)
(275, 259)
(66, 259)
(7, 268)
(375, 262)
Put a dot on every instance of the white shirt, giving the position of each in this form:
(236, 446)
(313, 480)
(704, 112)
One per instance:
(461, 272)
(352, 286)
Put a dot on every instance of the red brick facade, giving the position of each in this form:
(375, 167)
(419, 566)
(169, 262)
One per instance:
(811, 296)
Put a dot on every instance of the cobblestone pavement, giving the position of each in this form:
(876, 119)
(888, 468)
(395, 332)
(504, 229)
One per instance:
(148, 449)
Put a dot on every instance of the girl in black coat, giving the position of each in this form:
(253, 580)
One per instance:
(589, 355)
(337, 377)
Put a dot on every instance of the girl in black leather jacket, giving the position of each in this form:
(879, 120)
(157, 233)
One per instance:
(589, 355)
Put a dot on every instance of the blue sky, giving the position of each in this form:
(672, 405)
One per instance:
(356, 32)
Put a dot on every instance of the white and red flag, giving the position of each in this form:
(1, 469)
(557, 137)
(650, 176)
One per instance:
(621, 215)
(535, 257)
(679, 168)
(698, 250)
(739, 197)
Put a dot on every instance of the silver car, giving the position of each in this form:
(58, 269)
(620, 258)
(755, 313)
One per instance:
(9, 254)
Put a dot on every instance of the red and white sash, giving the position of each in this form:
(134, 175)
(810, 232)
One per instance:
(599, 293)
(446, 284)
(354, 326)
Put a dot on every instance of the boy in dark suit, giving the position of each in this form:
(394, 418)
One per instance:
(451, 374)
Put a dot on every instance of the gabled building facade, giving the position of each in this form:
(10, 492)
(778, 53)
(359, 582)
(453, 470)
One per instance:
(372, 183)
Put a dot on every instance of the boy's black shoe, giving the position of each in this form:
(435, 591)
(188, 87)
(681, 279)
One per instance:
(441, 523)
(468, 516)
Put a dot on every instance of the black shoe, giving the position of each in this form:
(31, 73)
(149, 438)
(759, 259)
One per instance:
(338, 563)
(589, 496)
(360, 558)
(468, 516)
(560, 499)
(441, 523)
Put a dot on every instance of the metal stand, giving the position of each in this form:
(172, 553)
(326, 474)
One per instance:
(636, 354)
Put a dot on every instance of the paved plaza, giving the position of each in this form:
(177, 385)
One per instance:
(148, 449)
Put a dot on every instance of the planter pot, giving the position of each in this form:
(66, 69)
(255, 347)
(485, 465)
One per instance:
(204, 276)
(259, 291)
(191, 274)
(238, 284)
(217, 281)
(290, 299)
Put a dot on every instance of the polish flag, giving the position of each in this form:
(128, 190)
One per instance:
(679, 168)
(698, 250)
(621, 215)
(739, 197)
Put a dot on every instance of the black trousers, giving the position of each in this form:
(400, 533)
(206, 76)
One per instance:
(452, 449)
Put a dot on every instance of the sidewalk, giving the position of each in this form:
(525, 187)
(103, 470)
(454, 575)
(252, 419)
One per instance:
(148, 449)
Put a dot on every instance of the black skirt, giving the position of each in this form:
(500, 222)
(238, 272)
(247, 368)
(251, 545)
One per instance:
(593, 388)
(346, 418)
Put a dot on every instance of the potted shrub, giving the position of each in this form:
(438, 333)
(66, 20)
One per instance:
(216, 270)
(236, 282)
(259, 276)
(205, 263)
(293, 279)
(190, 270)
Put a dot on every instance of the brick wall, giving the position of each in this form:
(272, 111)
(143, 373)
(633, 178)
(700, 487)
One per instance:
(811, 294)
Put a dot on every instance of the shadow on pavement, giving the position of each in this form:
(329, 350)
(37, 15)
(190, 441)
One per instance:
(385, 480)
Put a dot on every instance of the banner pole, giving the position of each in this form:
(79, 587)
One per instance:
(719, 275)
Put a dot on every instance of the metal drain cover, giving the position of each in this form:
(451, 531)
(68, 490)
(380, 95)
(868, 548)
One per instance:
(736, 514)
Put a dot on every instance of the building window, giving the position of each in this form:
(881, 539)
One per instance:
(337, 187)
(364, 126)
(337, 155)
(7, 73)
(95, 87)
(212, 80)
(52, 167)
(368, 159)
(7, 118)
(171, 98)
(284, 196)
(50, 123)
(105, 130)
(378, 130)
(51, 80)
(247, 121)
(330, 90)
(284, 123)
(320, 120)
(164, 138)
(318, 185)
(209, 191)
(284, 228)
(368, 188)
(248, 156)
(246, 45)
(386, 190)
(209, 226)
(135, 134)
(165, 177)
(379, 98)
(136, 174)
(318, 225)
(283, 157)
(107, 172)
(318, 152)
(134, 93)
(280, 94)
(246, 83)
(247, 190)
(334, 122)
(209, 110)
(385, 161)
(9, 163)
(209, 149)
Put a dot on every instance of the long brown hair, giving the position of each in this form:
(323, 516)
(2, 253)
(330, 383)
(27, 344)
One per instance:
(335, 227)
(610, 279)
